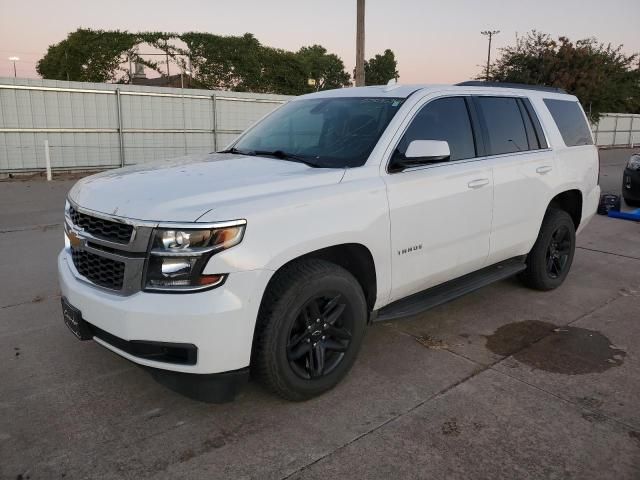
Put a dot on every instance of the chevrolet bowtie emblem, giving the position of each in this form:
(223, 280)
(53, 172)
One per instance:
(74, 239)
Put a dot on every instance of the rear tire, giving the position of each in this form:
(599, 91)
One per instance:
(310, 327)
(551, 257)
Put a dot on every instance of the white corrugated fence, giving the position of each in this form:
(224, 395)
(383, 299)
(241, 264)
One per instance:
(98, 125)
(102, 125)
(617, 130)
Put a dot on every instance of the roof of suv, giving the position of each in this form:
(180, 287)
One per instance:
(403, 91)
(388, 91)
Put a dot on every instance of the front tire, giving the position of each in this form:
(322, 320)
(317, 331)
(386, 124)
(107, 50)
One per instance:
(310, 327)
(551, 257)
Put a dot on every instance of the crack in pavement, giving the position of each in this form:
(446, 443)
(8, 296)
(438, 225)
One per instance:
(607, 253)
(27, 228)
(36, 299)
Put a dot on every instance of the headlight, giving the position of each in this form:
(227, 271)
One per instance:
(178, 256)
(634, 162)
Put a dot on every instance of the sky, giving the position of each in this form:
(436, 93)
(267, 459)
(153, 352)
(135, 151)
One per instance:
(434, 41)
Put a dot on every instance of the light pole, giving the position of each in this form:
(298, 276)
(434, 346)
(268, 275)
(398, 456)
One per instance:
(490, 34)
(14, 60)
(360, 44)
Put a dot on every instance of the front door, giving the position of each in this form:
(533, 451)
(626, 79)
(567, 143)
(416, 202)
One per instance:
(440, 213)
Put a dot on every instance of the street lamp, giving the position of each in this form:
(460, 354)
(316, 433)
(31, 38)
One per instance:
(490, 34)
(14, 60)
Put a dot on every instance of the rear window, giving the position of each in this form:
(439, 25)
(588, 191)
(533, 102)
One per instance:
(570, 121)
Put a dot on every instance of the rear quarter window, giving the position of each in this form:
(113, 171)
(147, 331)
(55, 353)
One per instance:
(570, 121)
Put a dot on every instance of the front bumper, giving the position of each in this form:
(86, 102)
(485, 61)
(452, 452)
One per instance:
(219, 322)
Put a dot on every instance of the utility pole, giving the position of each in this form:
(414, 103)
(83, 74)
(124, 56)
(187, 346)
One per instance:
(490, 34)
(360, 45)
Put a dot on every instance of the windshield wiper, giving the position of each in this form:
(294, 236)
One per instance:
(236, 151)
(282, 155)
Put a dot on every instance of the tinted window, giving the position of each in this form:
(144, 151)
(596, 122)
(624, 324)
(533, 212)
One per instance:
(443, 119)
(528, 125)
(570, 121)
(542, 142)
(505, 127)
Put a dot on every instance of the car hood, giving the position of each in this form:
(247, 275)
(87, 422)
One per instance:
(184, 189)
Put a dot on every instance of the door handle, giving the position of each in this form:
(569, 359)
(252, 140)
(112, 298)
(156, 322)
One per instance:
(480, 182)
(544, 169)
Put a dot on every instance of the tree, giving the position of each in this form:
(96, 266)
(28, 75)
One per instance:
(325, 68)
(283, 73)
(239, 63)
(225, 62)
(87, 56)
(381, 68)
(602, 77)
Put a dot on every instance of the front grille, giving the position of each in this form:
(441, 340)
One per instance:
(100, 228)
(99, 270)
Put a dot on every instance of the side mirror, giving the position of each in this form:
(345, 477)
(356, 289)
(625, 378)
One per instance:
(421, 152)
(428, 151)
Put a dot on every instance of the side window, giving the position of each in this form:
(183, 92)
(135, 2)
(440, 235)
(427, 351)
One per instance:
(528, 126)
(443, 119)
(542, 142)
(505, 127)
(570, 121)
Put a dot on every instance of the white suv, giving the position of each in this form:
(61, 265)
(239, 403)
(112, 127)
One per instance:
(337, 209)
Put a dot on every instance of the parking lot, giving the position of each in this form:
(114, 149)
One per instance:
(503, 383)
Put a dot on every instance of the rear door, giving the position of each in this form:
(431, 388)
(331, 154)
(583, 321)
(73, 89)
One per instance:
(523, 173)
(441, 212)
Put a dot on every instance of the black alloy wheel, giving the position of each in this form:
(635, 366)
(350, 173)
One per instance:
(550, 259)
(559, 251)
(319, 336)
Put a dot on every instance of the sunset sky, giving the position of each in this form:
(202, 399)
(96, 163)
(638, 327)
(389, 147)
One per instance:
(434, 41)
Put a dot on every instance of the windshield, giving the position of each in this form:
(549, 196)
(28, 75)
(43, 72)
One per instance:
(327, 132)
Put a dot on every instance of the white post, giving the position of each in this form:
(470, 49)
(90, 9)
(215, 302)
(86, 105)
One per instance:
(47, 159)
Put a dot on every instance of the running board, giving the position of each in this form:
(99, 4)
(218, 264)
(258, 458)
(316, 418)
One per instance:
(422, 301)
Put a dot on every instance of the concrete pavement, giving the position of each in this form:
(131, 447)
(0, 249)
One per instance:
(503, 383)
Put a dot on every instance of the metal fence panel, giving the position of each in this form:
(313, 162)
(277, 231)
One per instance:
(94, 125)
(617, 130)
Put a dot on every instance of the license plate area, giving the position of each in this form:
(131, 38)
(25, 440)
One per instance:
(73, 320)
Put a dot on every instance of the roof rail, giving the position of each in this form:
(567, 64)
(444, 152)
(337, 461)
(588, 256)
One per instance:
(524, 86)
